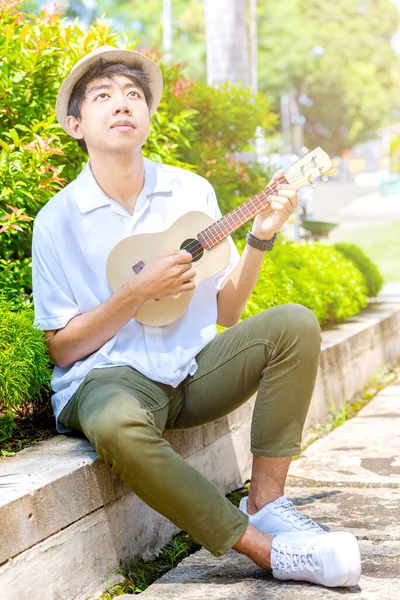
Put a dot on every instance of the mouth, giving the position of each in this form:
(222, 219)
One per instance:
(123, 126)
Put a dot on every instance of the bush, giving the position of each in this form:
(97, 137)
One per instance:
(16, 282)
(311, 274)
(371, 273)
(25, 370)
(196, 127)
(224, 121)
(7, 426)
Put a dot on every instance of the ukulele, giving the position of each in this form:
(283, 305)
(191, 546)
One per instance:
(204, 238)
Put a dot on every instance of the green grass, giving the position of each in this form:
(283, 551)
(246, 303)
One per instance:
(140, 575)
(380, 243)
(384, 376)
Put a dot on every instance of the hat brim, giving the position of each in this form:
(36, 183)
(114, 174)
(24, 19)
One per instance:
(109, 55)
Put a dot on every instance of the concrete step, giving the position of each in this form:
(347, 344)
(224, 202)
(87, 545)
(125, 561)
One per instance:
(60, 506)
(349, 481)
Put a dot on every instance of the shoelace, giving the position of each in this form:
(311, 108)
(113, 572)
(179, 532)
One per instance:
(306, 523)
(292, 560)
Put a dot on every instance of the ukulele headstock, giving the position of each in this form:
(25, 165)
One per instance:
(310, 167)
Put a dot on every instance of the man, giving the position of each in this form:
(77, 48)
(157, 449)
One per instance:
(122, 383)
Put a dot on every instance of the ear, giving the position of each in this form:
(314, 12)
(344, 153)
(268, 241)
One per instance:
(73, 126)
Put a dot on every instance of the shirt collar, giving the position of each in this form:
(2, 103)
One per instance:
(90, 195)
(157, 180)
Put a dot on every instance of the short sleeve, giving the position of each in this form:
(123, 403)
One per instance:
(53, 300)
(235, 256)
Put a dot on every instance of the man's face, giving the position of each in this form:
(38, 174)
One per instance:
(107, 102)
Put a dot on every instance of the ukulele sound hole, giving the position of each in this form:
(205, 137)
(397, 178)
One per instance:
(194, 247)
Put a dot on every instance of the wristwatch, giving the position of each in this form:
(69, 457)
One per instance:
(255, 242)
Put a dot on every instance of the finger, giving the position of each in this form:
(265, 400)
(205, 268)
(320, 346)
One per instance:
(290, 195)
(267, 212)
(182, 257)
(278, 175)
(187, 286)
(186, 254)
(183, 267)
(287, 186)
(187, 273)
(279, 209)
(278, 203)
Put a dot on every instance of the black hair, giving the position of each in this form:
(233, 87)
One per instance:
(109, 71)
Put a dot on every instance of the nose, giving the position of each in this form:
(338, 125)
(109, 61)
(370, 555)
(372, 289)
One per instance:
(122, 107)
(121, 103)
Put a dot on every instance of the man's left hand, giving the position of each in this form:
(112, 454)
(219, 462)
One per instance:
(282, 204)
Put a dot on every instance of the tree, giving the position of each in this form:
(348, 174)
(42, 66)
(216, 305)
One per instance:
(284, 46)
(143, 20)
(352, 85)
(339, 62)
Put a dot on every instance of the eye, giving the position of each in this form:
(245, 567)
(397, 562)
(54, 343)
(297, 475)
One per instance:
(137, 94)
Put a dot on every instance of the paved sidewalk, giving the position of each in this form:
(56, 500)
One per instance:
(348, 480)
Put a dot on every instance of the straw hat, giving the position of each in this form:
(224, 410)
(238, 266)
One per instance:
(110, 55)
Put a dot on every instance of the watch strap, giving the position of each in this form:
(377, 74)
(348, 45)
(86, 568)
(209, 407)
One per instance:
(263, 245)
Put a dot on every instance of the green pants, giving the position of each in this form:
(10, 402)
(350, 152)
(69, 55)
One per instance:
(123, 414)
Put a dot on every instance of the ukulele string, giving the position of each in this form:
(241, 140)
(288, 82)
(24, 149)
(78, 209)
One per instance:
(217, 246)
(274, 187)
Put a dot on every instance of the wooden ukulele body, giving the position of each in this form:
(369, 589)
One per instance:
(131, 254)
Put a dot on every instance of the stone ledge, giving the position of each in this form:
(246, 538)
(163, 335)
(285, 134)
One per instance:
(351, 353)
(60, 485)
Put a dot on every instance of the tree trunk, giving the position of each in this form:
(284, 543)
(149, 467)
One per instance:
(226, 42)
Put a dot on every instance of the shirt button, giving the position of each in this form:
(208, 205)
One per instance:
(153, 338)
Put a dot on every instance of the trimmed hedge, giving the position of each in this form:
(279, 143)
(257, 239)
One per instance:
(312, 274)
(371, 273)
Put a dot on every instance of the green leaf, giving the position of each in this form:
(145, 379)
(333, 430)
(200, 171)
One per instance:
(13, 134)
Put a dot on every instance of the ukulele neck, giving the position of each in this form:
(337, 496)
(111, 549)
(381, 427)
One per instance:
(219, 230)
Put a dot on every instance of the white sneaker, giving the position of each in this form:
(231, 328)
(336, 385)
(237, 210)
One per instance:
(280, 516)
(332, 559)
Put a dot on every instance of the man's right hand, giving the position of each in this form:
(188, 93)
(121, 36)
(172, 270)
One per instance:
(168, 273)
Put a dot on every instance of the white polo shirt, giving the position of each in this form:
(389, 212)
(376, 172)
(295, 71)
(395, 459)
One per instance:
(72, 238)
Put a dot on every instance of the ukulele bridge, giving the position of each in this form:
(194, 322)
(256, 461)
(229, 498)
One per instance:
(138, 267)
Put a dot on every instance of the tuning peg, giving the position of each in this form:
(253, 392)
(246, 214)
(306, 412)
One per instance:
(324, 177)
(294, 158)
(304, 151)
(311, 182)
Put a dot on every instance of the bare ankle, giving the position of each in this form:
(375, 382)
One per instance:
(256, 545)
(256, 504)
(267, 481)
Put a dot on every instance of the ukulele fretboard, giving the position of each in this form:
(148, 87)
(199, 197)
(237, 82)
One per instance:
(219, 230)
